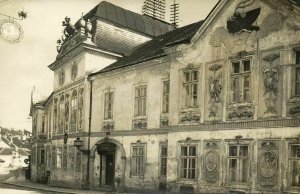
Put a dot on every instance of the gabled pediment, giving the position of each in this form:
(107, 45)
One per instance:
(237, 25)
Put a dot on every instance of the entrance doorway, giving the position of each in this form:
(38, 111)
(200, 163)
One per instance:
(107, 164)
(110, 170)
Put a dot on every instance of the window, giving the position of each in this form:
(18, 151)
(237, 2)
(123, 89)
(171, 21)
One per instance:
(190, 88)
(240, 81)
(138, 160)
(58, 158)
(73, 120)
(298, 57)
(140, 101)
(43, 124)
(108, 105)
(74, 71)
(61, 77)
(297, 81)
(188, 162)
(61, 117)
(166, 93)
(71, 158)
(49, 130)
(48, 156)
(238, 161)
(163, 159)
(55, 116)
(294, 160)
(42, 155)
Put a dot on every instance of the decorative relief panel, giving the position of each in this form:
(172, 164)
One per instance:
(164, 121)
(211, 161)
(215, 89)
(53, 157)
(267, 165)
(78, 161)
(65, 156)
(80, 109)
(108, 125)
(67, 112)
(190, 116)
(294, 110)
(240, 113)
(139, 123)
(271, 73)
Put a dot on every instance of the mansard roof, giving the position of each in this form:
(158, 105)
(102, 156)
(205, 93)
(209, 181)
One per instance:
(155, 47)
(130, 20)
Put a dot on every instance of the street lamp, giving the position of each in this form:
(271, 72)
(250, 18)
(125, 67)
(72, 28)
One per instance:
(79, 145)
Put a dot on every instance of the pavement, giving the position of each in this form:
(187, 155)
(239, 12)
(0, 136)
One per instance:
(16, 178)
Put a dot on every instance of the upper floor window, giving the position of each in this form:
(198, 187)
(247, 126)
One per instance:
(108, 105)
(238, 163)
(190, 88)
(138, 160)
(43, 124)
(188, 161)
(61, 114)
(61, 77)
(166, 93)
(140, 100)
(73, 120)
(240, 81)
(74, 71)
(294, 162)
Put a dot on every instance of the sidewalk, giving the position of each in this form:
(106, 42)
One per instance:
(43, 187)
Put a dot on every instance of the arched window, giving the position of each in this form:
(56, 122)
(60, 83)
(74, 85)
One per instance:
(73, 111)
(61, 116)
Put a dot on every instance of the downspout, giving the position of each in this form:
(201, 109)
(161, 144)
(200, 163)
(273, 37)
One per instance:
(89, 134)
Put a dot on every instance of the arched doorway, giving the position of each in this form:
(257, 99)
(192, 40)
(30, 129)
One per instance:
(107, 164)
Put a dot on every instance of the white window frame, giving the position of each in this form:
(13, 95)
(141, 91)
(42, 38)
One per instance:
(136, 172)
(190, 99)
(241, 91)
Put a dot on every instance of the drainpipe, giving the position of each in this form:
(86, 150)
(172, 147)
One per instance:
(89, 134)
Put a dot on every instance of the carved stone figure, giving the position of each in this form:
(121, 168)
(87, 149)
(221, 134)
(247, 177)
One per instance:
(215, 89)
(271, 79)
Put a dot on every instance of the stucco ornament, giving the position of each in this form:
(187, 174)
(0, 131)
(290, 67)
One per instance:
(246, 39)
(291, 10)
(242, 19)
(271, 79)
(268, 164)
(211, 162)
(215, 89)
(67, 112)
(80, 108)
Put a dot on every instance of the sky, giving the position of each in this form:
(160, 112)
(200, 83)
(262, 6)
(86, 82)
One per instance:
(24, 65)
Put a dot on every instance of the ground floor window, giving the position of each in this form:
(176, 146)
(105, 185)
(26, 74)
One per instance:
(138, 160)
(294, 158)
(163, 159)
(238, 163)
(59, 158)
(188, 161)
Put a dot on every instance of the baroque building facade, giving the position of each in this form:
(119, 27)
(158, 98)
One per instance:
(212, 107)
